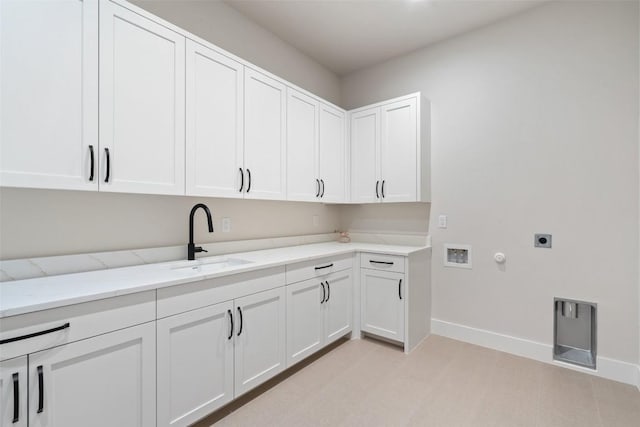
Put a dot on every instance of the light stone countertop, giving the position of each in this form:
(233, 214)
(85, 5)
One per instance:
(26, 296)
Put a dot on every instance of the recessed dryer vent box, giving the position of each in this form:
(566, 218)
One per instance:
(574, 335)
(457, 255)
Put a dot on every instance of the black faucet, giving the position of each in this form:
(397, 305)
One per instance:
(191, 248)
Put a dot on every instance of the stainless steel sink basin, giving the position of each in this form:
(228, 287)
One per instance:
(211, 264)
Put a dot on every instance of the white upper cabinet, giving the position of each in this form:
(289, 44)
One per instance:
(332, 154)
(399, 151)
(142, 104)
(264, 137)
(365, 136)
(303, 182)
(390, 151)
(214, 153)
(49, 94)
(148, 108)
(315, 150)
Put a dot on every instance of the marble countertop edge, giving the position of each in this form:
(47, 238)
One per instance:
(30, 295)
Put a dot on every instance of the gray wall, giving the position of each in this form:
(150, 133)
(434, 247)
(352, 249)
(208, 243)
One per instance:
(535, 129)
(48, 222)
(223, 26)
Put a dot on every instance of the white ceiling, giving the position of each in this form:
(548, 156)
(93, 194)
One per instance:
(345, 36)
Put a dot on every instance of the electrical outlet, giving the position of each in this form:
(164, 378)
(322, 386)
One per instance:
(226, 225)
(542, 240)
(316, 220)
(442, 221)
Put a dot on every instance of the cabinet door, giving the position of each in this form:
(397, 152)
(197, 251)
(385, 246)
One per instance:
(214, 152)
(303, 182)
(49, 93)
(365, 134)
(332, 154)
(195, 364)
(304, 319)
(399, 151)
(104, 381)
(382, 303)
(142, 104)
(264, 137)
(260, 338)
(13, 392)
(337, 307)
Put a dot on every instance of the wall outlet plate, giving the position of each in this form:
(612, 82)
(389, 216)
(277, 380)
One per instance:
(541, 240)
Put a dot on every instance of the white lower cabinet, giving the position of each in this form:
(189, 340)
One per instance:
(13, 392)
(260, 338)
(318, 313)
(195, 364)
(105, 381)
(383, 307)
(337, 307)
(304, 320)
(209, 356)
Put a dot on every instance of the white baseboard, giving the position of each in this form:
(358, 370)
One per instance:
(612, 369)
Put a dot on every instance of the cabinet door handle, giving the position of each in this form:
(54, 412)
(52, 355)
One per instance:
(400, 289)
(328, 291)
(241, 180)
(249, 179)
(106, 178)
(230, 324)
(35, 334)
(322, 181)
(383, 181)
(40, 390)
(241, 321)
(372, 261)
(324, 266)
(92, 162)
(16, 398)
(377, 194)
(317, 187)
(324, 295)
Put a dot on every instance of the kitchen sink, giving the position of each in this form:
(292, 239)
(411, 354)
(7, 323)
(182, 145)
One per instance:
(210, 264)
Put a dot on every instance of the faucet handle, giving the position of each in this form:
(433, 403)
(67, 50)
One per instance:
(203, 250)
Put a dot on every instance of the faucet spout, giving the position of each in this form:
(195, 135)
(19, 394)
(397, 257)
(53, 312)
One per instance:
(192, 248)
